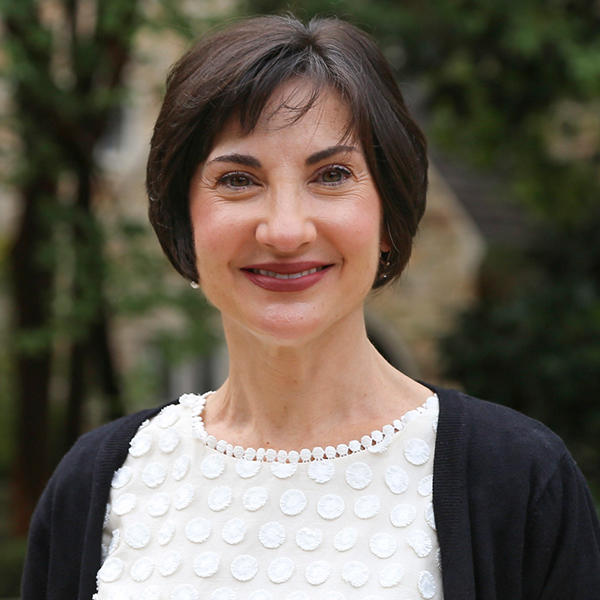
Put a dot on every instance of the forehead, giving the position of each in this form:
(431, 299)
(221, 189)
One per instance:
(294, 112)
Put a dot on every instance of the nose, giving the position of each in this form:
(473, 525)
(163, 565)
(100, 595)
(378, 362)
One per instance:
(287, 224)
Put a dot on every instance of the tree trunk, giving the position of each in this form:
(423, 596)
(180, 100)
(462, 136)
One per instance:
(32, 284)
(109, 376)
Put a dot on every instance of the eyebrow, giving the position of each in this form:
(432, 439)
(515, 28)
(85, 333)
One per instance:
(251, 161)
(331, 151)
(240, 159)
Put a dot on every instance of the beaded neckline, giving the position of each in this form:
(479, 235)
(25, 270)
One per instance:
(377, 442)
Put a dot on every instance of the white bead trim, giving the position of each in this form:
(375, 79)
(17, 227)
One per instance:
(376, 442)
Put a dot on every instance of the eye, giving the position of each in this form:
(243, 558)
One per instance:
(333, 175)
(236, 180)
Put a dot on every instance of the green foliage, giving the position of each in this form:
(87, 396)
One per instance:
(12, 552)
(534, 345)
(76, 273)
(496, 78)
(141, 286)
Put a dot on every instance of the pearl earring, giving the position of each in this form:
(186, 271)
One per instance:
(385, 264)
(194, 285)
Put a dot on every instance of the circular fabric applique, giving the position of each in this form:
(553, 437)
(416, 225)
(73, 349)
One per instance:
(359, 475)
(165, 533)
(114, 541)
(383, 545)
(111, 570)
(396, 478)
(234, 530)
(403, 515)
(272, 534)
(169, 563)
(180, 467)
(244, 567)
(197, 530)
(185, 592)
(283, 470)
(140, 444)
(183, 496)
(420, 542)
(220, 497)
(280, 569)
(206, 564)
(308, 538)
(429, 516)
(425, 487)
(137, 535)
(121, 477)
(247, 468)
(141, 569)
(321, 471)
(367, 506)
(168, 441)
(168, 416)
(255, 498)
(317, 572)
(416, 451)
(124, 504)
(345, 539)
(391, 575)
(154, 474)
(292, 502)
(426, 585)
(158, 505)
(355, 573)
(212, 466)
(330, 506)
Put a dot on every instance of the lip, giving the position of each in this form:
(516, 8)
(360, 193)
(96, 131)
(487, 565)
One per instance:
(306, 274)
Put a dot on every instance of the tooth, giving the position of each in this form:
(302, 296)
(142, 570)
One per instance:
(288, 275)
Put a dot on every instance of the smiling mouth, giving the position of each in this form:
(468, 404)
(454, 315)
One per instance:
(288, 275)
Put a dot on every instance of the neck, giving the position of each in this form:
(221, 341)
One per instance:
(329, 389)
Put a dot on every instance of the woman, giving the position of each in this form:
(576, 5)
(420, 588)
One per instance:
(286, 180)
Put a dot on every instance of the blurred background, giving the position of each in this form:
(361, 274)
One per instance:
(502, 295)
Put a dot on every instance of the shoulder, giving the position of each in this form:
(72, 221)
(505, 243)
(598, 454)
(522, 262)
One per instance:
(496, 441)
(99, 452)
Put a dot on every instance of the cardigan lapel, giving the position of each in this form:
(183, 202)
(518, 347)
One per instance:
(450, 497)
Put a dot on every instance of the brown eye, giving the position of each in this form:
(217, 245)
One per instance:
(334, 175)
(236, 180)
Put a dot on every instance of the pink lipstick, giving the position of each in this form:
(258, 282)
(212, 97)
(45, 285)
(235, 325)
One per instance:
(286, 277)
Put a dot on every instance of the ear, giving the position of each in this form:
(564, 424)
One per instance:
(384, 245)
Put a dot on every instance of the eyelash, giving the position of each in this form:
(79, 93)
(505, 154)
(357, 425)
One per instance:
(335, 168)
(229, 177)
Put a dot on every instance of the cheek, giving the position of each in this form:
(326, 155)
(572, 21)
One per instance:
(212, 230)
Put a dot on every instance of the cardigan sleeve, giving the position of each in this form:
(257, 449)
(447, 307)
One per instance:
(64, 546)
(35, 573)
(58, 528)
(562, 552)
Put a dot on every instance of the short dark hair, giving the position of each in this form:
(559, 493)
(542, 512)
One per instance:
(234, 71)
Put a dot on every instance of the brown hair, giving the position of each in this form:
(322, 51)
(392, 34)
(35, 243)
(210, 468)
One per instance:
(235, 71)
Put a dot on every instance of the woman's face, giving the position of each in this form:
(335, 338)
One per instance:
(287, 222)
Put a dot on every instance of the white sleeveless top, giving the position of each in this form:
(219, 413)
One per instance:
(191, 518)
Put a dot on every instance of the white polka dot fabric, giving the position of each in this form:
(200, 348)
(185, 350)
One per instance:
(191, 517)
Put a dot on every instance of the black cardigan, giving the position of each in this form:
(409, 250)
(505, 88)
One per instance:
(515, 519)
